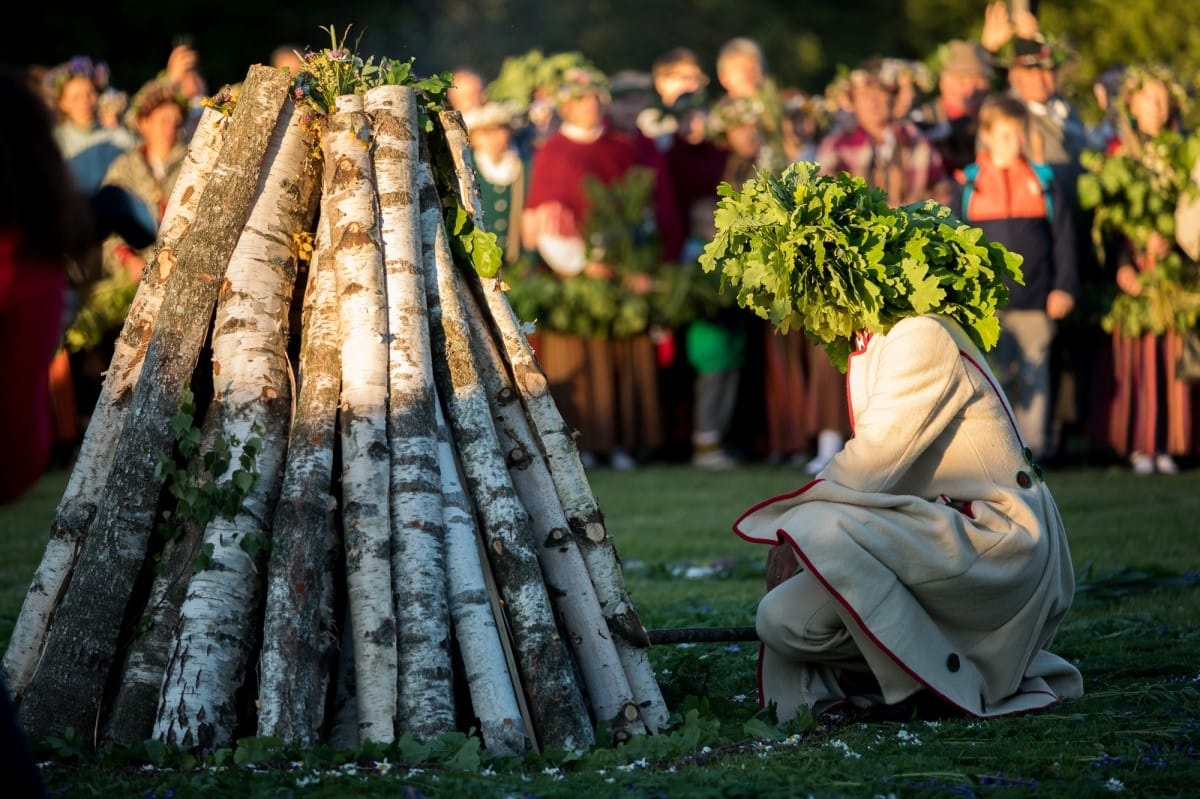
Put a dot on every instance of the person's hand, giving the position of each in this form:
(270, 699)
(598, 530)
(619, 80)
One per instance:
(1058, 304)
(1025, 24)
(182, 60)
(1127, 280)
(781, 564)
(997, 26)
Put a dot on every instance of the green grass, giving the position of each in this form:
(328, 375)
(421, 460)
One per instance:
(1134, 632)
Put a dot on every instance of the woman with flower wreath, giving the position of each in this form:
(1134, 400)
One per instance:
(1149, 414)
(926, 566)
(146, 173)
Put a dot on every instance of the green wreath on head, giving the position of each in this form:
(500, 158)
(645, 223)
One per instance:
(829, 256)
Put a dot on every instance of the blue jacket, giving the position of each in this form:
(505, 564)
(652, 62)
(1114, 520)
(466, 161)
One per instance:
(1026, 210)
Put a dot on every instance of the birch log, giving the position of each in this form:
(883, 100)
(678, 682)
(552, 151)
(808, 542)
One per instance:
(489, 665)
(547, 671)
(77, 507)
(570, 478)
(135, 705)
(299, 631)
(349, 202)
(67, 688)
(571, 589)
(426, 686)
(218, 626)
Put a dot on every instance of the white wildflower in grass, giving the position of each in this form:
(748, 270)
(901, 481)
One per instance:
(311, 779)
(907, 738)
(488, 771)
(635, 765)
(706, 750)
(149, 767)
(553, 771)
(838, 743)
(793, 740)
(739, 698)
(383, 766)
(415, 772)
(1114, 785)
(350, 769)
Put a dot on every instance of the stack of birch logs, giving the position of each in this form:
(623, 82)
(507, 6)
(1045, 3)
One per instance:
(435, 558)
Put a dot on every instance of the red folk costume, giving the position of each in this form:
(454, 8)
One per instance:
(606, 389)
(32, 294)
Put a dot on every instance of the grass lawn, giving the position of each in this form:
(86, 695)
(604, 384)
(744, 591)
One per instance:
(1134, 632)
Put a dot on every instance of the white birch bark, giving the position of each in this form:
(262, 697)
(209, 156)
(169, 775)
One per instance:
(426, 686)
(570, 478)
(491, 678)
(253, 398)
(77, 507)
(136, 703)
(349, 203)
(574, 596)
(547, 671)
(67, 687)
(299, 631)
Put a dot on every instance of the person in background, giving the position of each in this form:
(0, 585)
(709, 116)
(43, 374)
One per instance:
(289, 56)
(951, 119)
(1022, 206)
(913, 81)
(183, 69)
(606, 388)
(742, 73)
(804, 124)
(679, 82)
(89, 147)
(1150, 420)
(716, 345)
(503, 173)
(146, 174)
(45, 224)
(467, 90)
(111, 107)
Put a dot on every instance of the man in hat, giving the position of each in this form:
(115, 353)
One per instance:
(950, 119)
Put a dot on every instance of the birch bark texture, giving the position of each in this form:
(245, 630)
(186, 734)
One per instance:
(81, 646)
(413, 480)
(77, 507)
(348, 201)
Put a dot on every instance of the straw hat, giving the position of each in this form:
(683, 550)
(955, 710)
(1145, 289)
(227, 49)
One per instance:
(966, 58)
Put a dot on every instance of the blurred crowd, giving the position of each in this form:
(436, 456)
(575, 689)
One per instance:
(86, 170)
(980, 126)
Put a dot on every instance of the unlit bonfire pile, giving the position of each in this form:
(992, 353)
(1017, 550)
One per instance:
(411, 547)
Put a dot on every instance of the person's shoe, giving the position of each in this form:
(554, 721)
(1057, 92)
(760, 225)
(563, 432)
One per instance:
(1141, 463)
(1165, 464)
(714, 459)
(622, 461)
